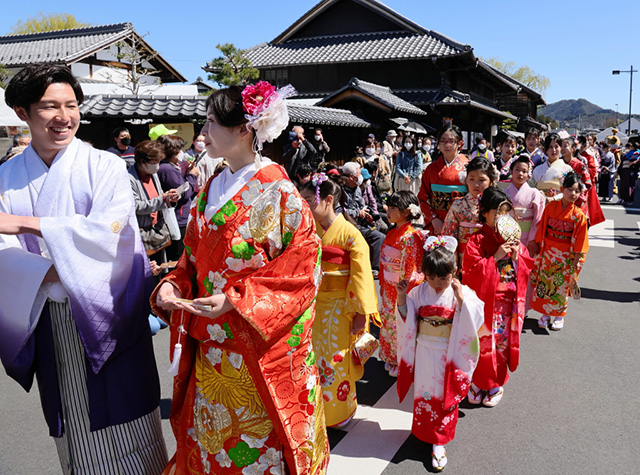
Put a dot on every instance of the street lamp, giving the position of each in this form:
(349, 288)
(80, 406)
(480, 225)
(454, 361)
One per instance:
(616, 72)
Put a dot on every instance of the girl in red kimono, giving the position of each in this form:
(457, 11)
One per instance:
(499, 273)
(247, 396)
(594, 210)
(438, 324)
(568, 151)
(443, 180)
(400, 259)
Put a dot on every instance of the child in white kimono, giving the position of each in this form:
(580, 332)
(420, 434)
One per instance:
(438, 345)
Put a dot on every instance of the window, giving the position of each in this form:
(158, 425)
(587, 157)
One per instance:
(277, 77)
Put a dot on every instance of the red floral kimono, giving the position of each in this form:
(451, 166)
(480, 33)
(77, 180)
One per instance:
(502, 287)
(441, 184)
(247, 397)
(400, 258)
(594, 210)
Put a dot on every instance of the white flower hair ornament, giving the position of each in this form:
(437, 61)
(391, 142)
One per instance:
(266, 111)
(414, 209)
(448, 242)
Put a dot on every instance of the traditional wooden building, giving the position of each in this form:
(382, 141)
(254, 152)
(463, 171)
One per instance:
(337, 41)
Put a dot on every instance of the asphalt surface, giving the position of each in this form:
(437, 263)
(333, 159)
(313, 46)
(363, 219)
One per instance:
(571, 407)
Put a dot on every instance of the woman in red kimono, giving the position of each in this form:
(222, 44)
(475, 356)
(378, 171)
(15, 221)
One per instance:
(594, 210)
(443, 180)
(498, 271)
(246, 391)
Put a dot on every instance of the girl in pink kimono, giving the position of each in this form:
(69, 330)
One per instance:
(438, 345)
(528, 203)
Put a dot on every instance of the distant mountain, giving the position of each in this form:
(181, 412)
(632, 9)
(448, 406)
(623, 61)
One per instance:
(581, 113)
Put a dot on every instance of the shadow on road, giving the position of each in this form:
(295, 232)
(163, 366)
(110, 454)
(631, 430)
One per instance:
(610, 295)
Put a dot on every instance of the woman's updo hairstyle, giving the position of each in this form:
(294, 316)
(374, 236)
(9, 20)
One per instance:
(326, 188)
(226, 106)
(439, 262)
(450, 128)
(403, 200)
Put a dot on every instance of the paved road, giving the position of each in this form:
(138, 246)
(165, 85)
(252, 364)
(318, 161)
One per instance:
(571, 408)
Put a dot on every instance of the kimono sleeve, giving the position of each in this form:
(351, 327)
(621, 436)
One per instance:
(537, 203)
(480, 272)
(361, 289)
(272, 297)
(580, 237)
(411, 258)
(452, 222)
(424, 196)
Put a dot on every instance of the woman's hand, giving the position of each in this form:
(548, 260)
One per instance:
(514, 250)
(167, 292)
(407, 179)
(359, 321)
(457, 291)
(219, 305)
(402, 288)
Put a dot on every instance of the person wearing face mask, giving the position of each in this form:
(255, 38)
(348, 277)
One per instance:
(322, 148)
(481, 150)
(171, 176)
(122, 148)
(354, 206)
(408, 167)
(197, 147)
(149, 198)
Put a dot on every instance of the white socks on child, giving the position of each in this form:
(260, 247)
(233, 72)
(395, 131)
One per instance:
(439, 451)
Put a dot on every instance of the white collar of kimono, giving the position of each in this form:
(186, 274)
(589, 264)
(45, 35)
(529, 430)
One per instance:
(225, 186)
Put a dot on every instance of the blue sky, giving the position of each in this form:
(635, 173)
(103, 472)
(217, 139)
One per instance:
(576, 44)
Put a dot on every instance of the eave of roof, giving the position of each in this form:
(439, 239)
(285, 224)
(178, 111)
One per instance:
(360, 47)
(194, 107)
(511, 82)
(108, 35)
(380, 94)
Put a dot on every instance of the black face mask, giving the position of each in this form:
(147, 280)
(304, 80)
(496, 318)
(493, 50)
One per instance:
(125, 141)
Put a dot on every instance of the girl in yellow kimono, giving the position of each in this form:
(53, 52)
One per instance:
(346, 301)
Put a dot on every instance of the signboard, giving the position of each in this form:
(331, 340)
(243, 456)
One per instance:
(184, 131)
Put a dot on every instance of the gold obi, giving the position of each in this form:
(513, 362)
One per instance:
(435, 326)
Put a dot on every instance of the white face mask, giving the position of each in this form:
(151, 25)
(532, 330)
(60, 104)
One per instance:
(408, 145)
(369, 151)
(151, 168)
(181, 156)
(198, 146)
(318, 138)
(360, 180)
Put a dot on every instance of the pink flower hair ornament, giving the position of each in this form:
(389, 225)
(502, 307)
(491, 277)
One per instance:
(317, 180)
(448, 242)
(266, 112)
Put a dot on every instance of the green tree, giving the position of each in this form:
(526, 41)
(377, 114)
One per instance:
(47, 22)
(523, 74)
(233, 68)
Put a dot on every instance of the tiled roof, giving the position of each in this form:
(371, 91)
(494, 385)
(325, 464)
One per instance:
(70, 46)
(194, 107)
(392, 45)
(62, 46)
(111, 105)
(382, 94)
(326, 116)
(449, 98)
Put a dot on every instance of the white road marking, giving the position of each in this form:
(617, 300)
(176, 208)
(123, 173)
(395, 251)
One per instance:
(376, 435)
(618, 208)
(602, 235)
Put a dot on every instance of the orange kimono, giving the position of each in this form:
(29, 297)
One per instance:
(441, 184)
(563, 236)
(247, 395)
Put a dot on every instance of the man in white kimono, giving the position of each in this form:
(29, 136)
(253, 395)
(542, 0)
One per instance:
(74, 300)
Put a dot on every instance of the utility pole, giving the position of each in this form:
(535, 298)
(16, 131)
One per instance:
(616, 72)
